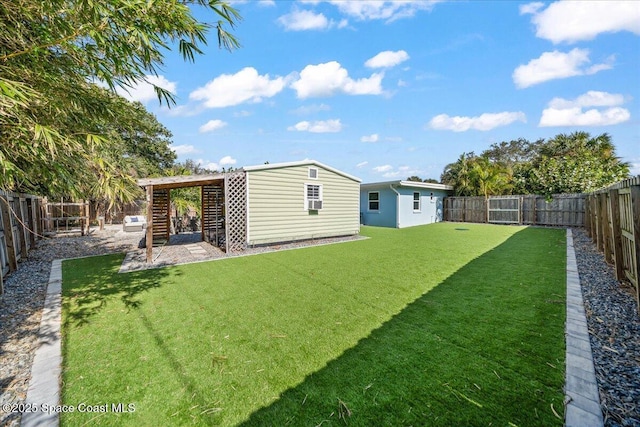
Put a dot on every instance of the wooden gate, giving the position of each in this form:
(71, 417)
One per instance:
(504, 210)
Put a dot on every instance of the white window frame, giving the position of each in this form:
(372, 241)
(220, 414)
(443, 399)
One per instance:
(313, 171)
(418, 200)
(307, 198)
(375, 201)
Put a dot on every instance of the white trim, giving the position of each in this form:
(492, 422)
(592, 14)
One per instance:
(413, 202)
(299, 163)
(320, 195)
(409, 184)
(369, 201)
(246, 182)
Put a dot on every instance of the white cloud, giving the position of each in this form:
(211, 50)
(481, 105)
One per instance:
(531, 8)
(184, 149)
(592, 98)
(311, 109)
(484, 122)
(383, 168)
(557, 65)
(564, 112)
(320, 126)
(328, 78)
(301, 20)
(370, 138)
(385, 10)
(634, 166)
(577, 117)
(182, 110)
(573, 21)
(227, 161)
(387, 59)
(143, 91)
(233, 89)
(362, 164)
(222, 163)
(212, 125)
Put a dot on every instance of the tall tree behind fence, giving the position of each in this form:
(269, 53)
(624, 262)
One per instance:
(567, 210)
(20, 228)
(613, 223)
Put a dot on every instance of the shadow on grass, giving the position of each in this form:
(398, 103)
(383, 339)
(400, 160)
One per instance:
(484, 347)
(89, 284)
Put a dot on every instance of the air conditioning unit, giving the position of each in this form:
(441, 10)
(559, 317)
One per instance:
(315, 205)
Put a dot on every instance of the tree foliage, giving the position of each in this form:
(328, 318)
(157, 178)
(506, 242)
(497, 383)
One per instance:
(571, 163)
(574, 163)
(56, 125)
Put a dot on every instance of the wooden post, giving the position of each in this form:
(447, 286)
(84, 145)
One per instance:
(19, 215)
(202, 211)
(606, 228)
(87, 214)
(520, 210)
(635, 215)
(464, 208)
(8, 232)
(149, 235)
(599, 224)
(31, 207)
(614, 199)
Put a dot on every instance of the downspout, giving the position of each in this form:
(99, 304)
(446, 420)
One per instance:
(397, 205)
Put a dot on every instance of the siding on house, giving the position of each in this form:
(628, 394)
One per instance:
(386, 215)
(430, 206)
(276, 203)
(397, 203)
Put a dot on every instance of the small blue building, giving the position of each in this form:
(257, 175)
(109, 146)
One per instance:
(402, 204)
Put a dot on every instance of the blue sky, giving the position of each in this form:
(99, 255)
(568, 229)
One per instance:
(384, 90)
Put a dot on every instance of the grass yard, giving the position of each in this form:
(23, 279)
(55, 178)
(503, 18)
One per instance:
(445, 324)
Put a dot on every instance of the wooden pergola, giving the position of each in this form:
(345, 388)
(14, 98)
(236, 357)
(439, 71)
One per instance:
(223, 208)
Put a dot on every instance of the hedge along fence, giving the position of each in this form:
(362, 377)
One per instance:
(566, 210)
(20, 228)
(613, 223)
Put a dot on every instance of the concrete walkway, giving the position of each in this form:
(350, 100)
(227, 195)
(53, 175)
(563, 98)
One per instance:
(581, 388)
(43, 394)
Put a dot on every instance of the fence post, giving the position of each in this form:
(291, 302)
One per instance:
(635, 215)
(606, 229)
(19, 215)
(614, 199)
(8, 232)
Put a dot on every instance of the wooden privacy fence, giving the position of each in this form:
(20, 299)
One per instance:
(20, 228)
(566, 210)
(613, 223)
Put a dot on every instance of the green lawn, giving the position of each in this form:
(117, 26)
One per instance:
(446, 324)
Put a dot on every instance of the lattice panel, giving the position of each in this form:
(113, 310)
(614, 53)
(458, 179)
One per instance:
(236, 198)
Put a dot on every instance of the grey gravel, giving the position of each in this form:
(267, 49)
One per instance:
(614, 324)
(614, 329)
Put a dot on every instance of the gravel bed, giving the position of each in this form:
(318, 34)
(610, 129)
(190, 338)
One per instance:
(21, 307)
(612, 317)
(614, 328)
